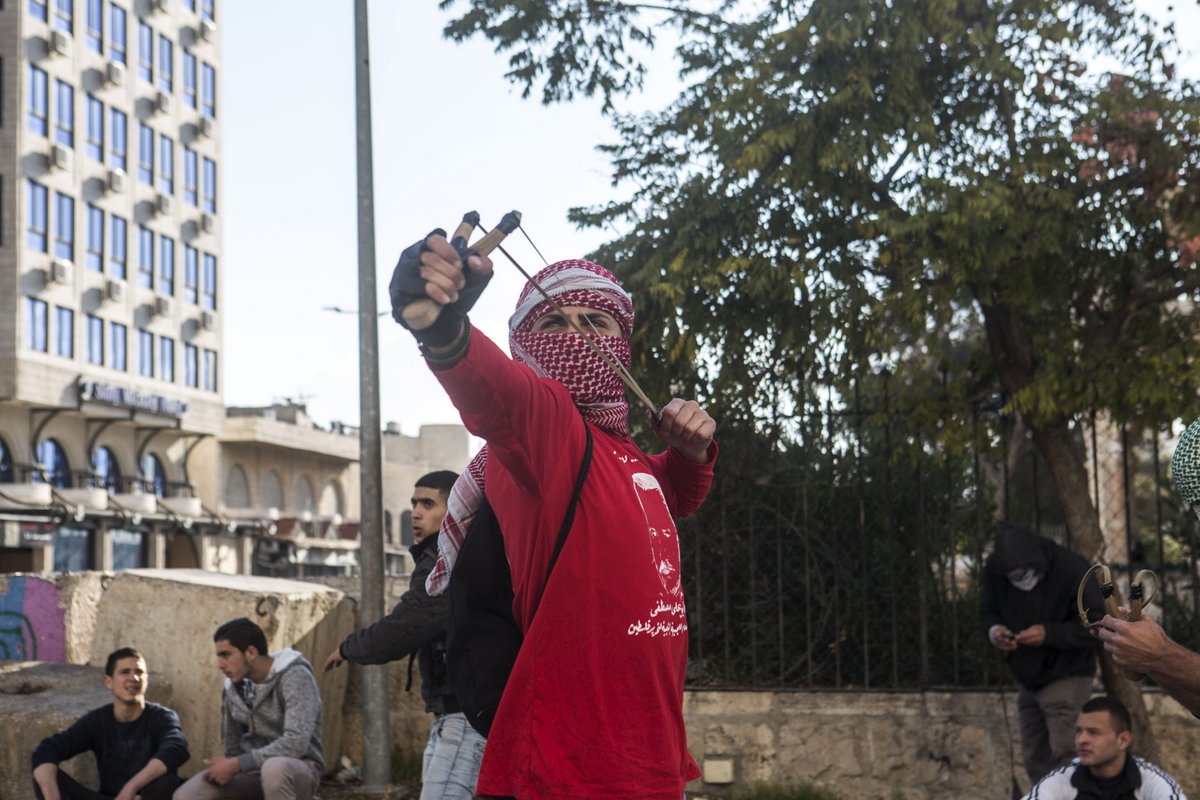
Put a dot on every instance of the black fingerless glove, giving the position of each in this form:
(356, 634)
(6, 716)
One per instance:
(407, 286)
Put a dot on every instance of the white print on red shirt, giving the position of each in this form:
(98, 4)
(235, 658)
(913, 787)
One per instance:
(668, 617)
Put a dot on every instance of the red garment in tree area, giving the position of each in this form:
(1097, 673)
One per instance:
(594, 707)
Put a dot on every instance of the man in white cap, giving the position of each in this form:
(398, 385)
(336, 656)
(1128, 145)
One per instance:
(593, 707)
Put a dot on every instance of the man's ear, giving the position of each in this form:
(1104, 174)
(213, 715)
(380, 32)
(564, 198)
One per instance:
(1124, 739)
(108, 682)
(250, 652)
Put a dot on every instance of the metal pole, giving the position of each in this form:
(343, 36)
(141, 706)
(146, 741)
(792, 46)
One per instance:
(377, 746)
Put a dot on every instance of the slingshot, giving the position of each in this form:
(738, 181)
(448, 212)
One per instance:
(1138, 599)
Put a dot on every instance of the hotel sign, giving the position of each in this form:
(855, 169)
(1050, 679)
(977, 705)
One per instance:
(125, 397)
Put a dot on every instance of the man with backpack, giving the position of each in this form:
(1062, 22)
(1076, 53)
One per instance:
(593, 707)
(417, 625)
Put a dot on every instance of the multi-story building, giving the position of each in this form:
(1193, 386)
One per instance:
(110, 276)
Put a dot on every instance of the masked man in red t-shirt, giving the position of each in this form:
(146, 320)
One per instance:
(594, 705)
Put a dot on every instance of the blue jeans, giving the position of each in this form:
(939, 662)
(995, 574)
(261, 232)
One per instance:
(450, 768)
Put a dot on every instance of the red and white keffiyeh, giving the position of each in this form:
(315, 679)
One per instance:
(592, 384)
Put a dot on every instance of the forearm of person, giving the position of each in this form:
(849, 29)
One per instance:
(685, 483)
(231, 733)
(46, 776)
(153, 770)
(1178, 672)
(415, 620)
(172, 746)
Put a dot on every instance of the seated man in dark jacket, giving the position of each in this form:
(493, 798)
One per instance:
(1028, 610)
(418, 625)
(138, 745)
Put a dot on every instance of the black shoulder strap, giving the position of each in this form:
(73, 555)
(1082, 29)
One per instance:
(569, 519)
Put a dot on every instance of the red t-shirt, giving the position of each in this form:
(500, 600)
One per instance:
(594, 706)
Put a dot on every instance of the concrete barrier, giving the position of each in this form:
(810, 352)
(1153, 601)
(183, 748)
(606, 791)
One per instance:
(38, 699)
(170, 615)
(48, 618)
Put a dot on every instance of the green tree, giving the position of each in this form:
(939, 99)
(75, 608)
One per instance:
(1007, 192)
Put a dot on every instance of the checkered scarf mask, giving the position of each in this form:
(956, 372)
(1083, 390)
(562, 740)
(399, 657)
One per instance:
(1185, 465)
(565, 357)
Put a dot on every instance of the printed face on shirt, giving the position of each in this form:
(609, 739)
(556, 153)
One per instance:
(129, 681)
(1099, 747)
(664, 546)
(428, 508)
(590, 320)
(233, 663)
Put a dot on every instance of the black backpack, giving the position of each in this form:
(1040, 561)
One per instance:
(482, 637)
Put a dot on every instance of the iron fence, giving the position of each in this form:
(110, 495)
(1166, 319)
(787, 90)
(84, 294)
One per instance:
(851, 559)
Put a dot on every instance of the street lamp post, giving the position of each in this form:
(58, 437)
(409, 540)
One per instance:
(376, 730)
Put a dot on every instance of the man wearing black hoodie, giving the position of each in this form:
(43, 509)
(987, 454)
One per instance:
(1028, 611)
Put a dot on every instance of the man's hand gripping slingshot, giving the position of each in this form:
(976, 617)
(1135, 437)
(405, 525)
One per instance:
(1138, 599)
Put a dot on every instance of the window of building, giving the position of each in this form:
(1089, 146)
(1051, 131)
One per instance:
(209, 203)
(64, 226)
(39, 10)
(39, 102)
(64, 120)
(191, 366)
(36, 325)
(128, 549)
(154, 476)
(94, 257)
(208, 371)
(237, 488)
(145, 154)
(95, 25)
(105, 470)
(52, 459)
(119, 141)
(116, 43)
(189, 176)
(166, 265)
(145, 53)
(302, 494)
(190, 5)
(209, 297)
(191, 274)
(145, 257)
(117, 247)
(64, 332)
(39, 211)
(166, 64)
(64, 15)
(116, 339)
(272, 490)
(95, 340)
(208, 10)
(6, 464)
(330, 502)
(166, 359)
(208, 90)
(95, 129)
(189, 79)
(145, 353)
(72, 549)
(166, 164)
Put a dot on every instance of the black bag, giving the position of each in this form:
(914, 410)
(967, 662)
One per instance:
(482, 637)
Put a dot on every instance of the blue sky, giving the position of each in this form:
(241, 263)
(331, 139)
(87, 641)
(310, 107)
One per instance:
(450, 135)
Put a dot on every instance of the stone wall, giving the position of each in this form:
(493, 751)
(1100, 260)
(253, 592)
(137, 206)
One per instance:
(48, 618)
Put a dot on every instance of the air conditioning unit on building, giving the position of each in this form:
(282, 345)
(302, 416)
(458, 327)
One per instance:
(58, 43)
(59, 272)
(114, 180)
(162, 103)
(163, 307)
(208, 223)
(208, 320)
(114, 74)
(206, 127)
(163, 205)
(206, 31)
(114, 291)
(60, 158)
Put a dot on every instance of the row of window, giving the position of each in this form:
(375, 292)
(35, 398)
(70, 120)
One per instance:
(107, 346)
(199, 268)
(199, 193)
(54, 468)
(64, 20)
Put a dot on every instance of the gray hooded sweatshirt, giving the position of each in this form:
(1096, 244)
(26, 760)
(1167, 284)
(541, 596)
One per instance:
(279, 717)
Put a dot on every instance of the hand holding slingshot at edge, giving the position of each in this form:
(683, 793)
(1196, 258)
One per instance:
(1138, 599)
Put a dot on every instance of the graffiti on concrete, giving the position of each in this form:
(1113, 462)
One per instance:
(32, 623)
